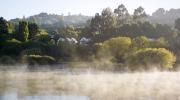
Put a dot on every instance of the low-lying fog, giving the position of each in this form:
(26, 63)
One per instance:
(93, 86)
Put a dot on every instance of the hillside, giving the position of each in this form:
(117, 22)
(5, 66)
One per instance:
(54, 21)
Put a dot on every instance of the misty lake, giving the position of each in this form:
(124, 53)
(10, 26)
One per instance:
(58, 85)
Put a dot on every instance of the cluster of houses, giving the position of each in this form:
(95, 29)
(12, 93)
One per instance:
(82, 41)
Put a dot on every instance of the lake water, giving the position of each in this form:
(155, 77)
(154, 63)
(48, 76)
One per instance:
(14, 96)
(55, 85)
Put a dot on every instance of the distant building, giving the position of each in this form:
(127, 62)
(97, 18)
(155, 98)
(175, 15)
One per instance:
(84, 41)
(69, 40)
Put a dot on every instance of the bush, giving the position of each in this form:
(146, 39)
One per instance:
(118, 47)
(11, 47)
(146, 58)
(33, 44)
(32, 51)
(44, 38)
(6, 60)
(140, 42)
(39, 60)
(84, 52)
(67, 50)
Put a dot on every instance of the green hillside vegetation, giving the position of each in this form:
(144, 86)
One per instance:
(118, 37)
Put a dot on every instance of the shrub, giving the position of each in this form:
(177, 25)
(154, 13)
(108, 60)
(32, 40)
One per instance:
(146, 58)
(140, 42)
(67, 50)
(6, 60)
(11, 47)
(118, 47)
(32, 51)
(33, 44)
(40, 60)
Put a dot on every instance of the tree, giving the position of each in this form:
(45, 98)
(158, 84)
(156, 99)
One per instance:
(147, 29)
(108, 20)
(95, 25)
(103, 25)
(23, 31)
(163, 30)
(33, 30)
(122, 14)
(44, 38)
(159, 13)
(4, 26)
(139, 14)
(69, 32)
(177, 24)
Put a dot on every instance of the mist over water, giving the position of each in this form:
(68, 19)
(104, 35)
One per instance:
(93, 85)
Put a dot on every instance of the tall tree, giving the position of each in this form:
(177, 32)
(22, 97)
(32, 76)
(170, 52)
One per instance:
(122, 14)
(4, 26)
(177, 24)
(139, 14)
(23, 31)
(33, 30)
(108, 20)
(95, 24)
(103, 23)
(159, 13)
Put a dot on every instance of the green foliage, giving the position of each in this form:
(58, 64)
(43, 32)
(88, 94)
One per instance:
(32, 51)
(37, 59)
(122, 14)
(95, 24)
(3, 38)
(151, 57)
(84, 52)
(67, 50)
(108, 20)
(159, 43)
(4, 26)
(163, 30)
(69, 32)
(177, 24)
(103, 23)
(144, 29)
(139, 13)
(7, 60)
(32, 44)
(114, 37)
(118, 47)
(44, 38)
(23, 32)
(174, 45)
(140, 42)
(33, 30)
(11, 48)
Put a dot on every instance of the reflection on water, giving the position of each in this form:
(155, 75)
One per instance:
(9, 96)
(89, 86)
(14, 96)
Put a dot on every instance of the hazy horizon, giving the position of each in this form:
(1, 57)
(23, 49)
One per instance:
(18, 8)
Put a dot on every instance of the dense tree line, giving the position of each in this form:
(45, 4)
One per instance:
(130, 40)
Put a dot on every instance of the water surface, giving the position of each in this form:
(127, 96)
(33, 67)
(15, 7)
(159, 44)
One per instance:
(52, 85)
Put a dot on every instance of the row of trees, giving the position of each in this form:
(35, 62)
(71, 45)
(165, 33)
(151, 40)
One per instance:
(22, 31)
(117, 36)
(120, 23)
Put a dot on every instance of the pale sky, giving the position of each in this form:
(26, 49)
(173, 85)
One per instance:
(18, 8)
